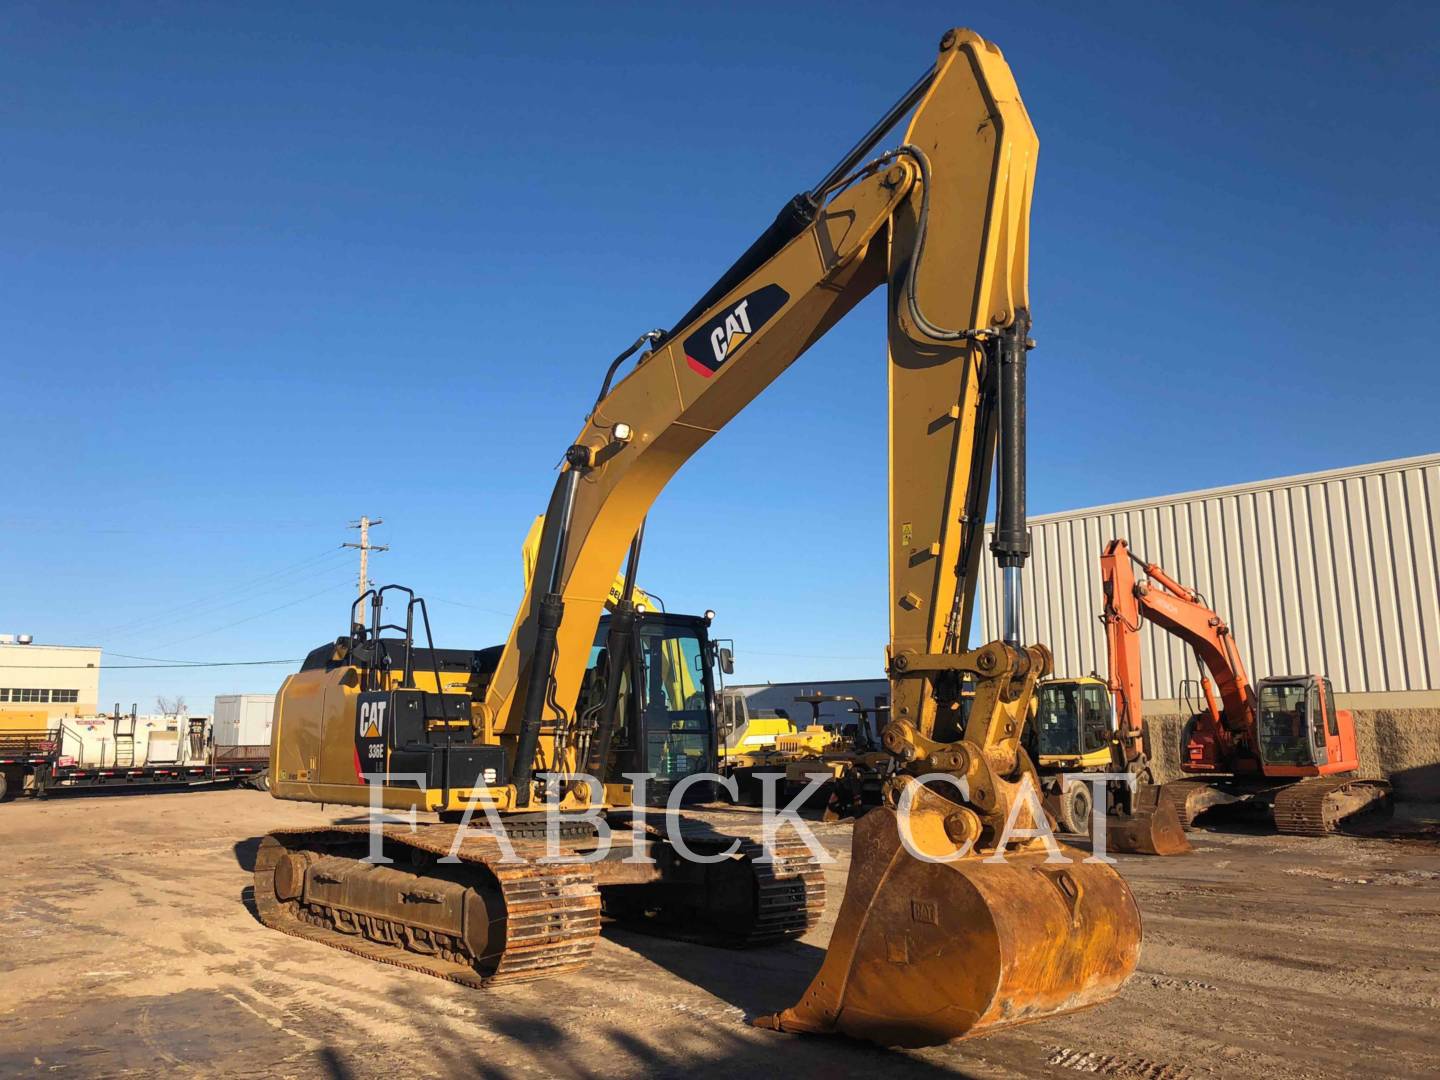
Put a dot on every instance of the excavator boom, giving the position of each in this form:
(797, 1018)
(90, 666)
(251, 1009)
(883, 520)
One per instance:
(943, 221)
(956, 920)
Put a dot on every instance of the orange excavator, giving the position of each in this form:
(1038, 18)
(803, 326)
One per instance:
(1279, 743)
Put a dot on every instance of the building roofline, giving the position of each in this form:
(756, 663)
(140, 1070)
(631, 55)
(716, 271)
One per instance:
(40, 645)
(1299, 479)
(803, 682)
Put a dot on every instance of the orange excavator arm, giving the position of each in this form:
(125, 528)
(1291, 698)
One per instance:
(1181, 611)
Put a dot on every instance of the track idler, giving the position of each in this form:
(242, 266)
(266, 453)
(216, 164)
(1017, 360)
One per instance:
(924, 952)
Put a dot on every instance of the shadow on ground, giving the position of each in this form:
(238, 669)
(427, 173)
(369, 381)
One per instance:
(245, 851)
(608, 1049)
(755, 981)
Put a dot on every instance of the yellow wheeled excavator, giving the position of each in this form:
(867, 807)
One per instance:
(1075, 735)
(956, 918)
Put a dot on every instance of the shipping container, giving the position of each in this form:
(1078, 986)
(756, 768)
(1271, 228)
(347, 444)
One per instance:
(243, 719)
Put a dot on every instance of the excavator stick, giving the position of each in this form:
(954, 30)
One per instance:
(925, 952)
(1151, 828)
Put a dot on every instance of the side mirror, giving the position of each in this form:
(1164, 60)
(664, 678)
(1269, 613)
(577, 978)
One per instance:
(727, 661)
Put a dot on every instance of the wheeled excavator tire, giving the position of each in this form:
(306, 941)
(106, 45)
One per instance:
(1073, 809)
(1321, 805)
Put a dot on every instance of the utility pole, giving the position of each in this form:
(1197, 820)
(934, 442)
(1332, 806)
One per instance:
(365, 548)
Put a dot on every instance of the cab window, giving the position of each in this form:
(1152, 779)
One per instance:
(674, 684)
(1316, 722)
(1332, 724)
(1095, 714)
(1057, 721)
(1284, 724)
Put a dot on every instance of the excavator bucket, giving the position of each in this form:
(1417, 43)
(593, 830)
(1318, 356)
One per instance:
(924, 952)
(1152, 828)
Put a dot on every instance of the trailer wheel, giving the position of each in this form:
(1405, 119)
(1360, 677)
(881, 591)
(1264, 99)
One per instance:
(1075, 808)
(10, 786)
(261, 781)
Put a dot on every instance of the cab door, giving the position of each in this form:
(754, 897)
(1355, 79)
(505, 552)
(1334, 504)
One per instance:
(1096, 723)
(1315, 702)
(1341, 752)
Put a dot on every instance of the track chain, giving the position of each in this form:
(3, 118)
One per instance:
(1178, 793)
(1307, 808)
(552, 910)
(789, 891)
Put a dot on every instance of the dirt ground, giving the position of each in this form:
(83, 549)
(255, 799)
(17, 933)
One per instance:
(129, 947)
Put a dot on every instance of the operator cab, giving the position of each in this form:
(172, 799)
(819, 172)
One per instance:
(666, 725)
(1072, 719)
(1297, 725)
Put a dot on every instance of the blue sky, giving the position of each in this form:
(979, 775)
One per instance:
(269, 267)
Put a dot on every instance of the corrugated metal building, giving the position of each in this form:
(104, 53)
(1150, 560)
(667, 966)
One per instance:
(1332, 572)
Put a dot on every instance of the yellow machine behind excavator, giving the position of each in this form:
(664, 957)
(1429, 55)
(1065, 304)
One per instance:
(1074, 738)
(960, 914)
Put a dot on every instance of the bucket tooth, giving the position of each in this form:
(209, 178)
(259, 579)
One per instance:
(924, 952)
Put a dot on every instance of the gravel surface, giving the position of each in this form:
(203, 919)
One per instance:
(130, 947)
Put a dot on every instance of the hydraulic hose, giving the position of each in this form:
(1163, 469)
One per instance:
(550, 614)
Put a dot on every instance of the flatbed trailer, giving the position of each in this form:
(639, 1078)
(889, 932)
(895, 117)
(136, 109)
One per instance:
(61, 778)
(22, 755)
(31, 764)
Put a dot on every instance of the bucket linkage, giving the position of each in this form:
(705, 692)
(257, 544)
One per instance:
(963, 916)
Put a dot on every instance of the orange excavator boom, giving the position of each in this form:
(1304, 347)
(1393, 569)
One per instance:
(1181, 611)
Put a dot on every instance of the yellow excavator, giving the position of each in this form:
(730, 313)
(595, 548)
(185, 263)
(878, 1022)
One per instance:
(1075, 734)
(955, 920)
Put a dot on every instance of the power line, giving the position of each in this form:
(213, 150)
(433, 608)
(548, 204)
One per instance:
(167, 624)
(252, 618)
(136, 667)
(804, 656)
(203, 601)
(229, 590)
(190, 663)
(472, 607)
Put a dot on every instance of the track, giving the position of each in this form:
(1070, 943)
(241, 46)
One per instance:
(790, 892)
(1318, 806)
(544, 917)
(552, 911)
(738, 903)
(1190, 798)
